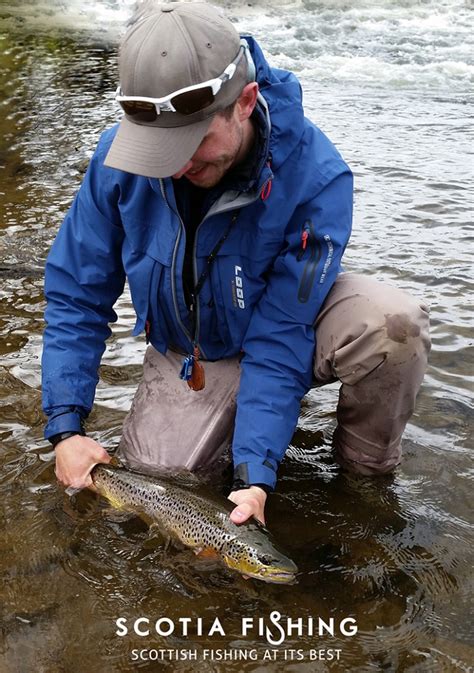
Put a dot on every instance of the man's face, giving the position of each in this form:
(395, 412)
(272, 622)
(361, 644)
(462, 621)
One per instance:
(220, 149)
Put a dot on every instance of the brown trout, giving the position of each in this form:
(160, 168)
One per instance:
(196, 521)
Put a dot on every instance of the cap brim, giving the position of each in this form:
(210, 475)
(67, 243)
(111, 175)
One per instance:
(153, 151)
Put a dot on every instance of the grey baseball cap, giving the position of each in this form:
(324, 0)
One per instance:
(169, 47)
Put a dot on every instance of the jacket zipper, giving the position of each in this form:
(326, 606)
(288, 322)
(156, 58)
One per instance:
(173, 265)
(195, 342)
(308, 241)
(195, 269)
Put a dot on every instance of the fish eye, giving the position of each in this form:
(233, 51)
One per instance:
(266, 560)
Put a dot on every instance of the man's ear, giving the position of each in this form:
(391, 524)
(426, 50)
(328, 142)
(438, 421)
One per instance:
(247, 100)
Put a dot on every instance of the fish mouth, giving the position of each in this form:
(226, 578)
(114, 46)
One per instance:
(277, 576)
(270, 575)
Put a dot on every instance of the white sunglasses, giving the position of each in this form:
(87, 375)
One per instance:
(185, 101)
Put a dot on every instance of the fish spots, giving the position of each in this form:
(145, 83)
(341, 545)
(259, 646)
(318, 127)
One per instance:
(195, 521)
(399, 327)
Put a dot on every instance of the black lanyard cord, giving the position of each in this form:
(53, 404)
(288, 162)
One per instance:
(205, 274)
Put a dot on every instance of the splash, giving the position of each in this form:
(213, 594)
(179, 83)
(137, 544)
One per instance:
(88, 17)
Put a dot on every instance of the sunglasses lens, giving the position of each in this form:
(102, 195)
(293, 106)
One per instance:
(139, 110)
(185, 103)
(193, 101)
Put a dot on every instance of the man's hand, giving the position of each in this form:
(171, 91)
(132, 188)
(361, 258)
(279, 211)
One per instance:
(75, 458)
(250, 502)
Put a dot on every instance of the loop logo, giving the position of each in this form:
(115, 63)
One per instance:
(238, 288)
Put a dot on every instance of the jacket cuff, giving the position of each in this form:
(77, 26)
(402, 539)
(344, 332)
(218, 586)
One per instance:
(260, 474)
(67, 422)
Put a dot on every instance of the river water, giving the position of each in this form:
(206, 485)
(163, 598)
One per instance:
(389, 82)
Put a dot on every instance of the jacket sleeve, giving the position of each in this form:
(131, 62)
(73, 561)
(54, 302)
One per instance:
(280, 341)
(83, 278)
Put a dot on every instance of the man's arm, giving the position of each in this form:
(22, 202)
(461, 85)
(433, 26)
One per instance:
(279, 344)
(83, 278)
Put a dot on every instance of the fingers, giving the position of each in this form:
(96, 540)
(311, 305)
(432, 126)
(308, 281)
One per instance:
(250, 502)
(75, 458)
(241, 513)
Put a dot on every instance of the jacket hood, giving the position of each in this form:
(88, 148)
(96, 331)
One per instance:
(283, 94)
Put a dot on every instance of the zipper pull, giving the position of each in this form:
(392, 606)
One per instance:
(304, 242)
(267, 187)
(304, 238)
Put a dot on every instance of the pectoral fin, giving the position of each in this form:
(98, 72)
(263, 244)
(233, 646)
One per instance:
(206, 552)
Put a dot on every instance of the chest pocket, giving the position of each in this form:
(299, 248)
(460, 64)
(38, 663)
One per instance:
(238, 281)
(147, 257)
(243, 265)
(150, 238)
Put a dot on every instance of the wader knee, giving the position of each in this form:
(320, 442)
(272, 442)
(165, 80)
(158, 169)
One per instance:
(380, 356)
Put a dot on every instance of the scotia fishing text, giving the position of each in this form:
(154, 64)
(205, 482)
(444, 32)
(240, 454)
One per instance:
(275, 629)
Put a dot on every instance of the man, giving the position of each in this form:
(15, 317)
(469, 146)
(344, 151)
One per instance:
(229, 213)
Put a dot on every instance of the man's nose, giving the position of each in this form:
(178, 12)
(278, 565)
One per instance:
(183, 170)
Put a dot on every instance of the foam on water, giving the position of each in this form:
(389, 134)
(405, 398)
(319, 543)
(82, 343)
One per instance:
(372, 71)
(103, 17)
(377, 43)
(399, 43)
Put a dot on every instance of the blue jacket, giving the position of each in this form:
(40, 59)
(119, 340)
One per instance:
(265, 288)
